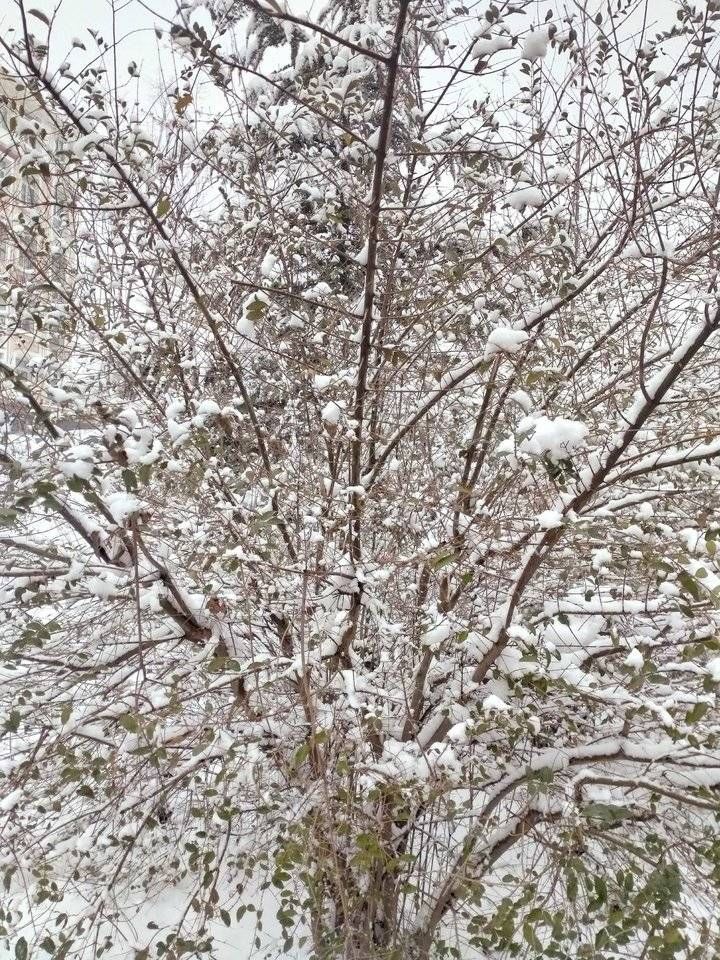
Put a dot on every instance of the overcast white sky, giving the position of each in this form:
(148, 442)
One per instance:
(133, 21)
(71, 18)
(131, 24)
(128, 25)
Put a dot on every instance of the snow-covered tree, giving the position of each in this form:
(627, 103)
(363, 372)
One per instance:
(360, 517)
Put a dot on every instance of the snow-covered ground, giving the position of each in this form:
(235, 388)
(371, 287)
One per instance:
(149, 920)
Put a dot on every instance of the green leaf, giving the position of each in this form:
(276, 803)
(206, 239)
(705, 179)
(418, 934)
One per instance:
(48, 945)
(43, 17)
(145, 472)
(217, 664)
(163, 207)
(255, 309)
(601, 889)
(442, 561)
(690, 584)
(301, 754)
(7, 516)
(21, 949)
(12, 724)
(77, 484)
(531, 937)
(225, 917)
(697, 712)
(130, 480)
(607, 812)
(672, 937)
(128, 722)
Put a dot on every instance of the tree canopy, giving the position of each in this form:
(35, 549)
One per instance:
(360, 481)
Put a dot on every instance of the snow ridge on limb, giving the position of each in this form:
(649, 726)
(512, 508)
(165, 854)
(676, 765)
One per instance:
(590, 483)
